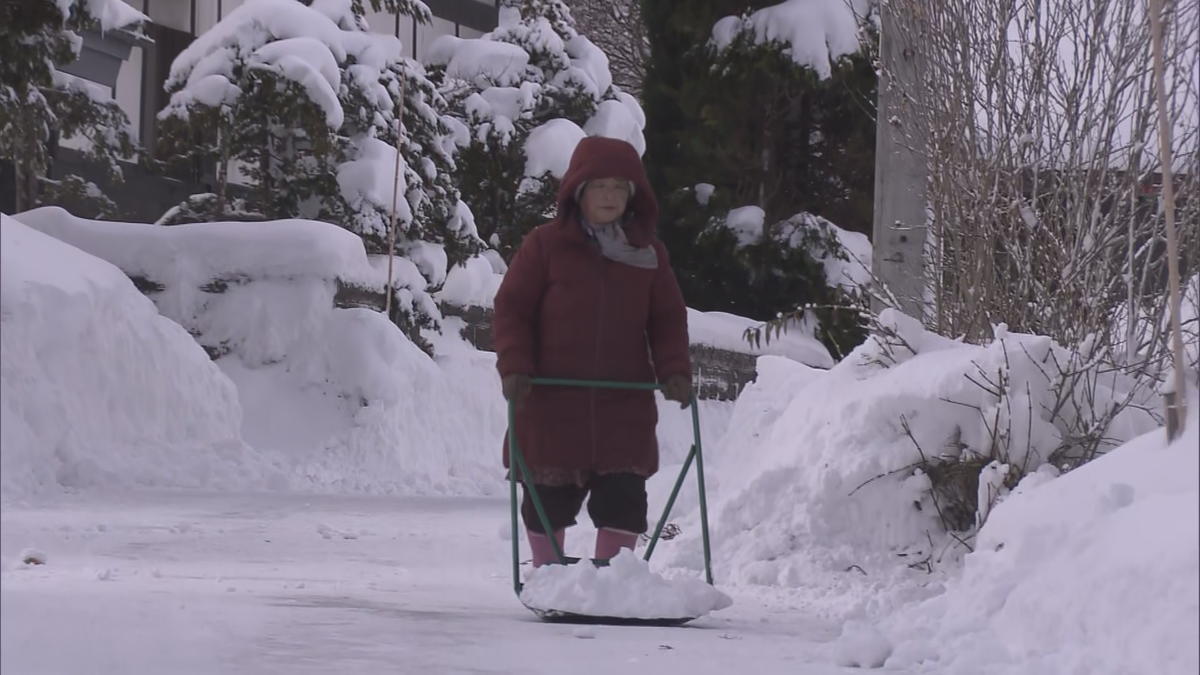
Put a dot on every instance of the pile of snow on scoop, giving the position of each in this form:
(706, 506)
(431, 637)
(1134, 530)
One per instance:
(626, 588)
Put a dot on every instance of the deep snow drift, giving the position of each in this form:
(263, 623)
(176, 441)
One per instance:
(1095, 572)
(339, 399)
(860, 533)
(99, 390)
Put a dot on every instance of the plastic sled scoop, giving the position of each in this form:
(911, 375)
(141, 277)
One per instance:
(518, 464)
(560, 616)
(557, 616)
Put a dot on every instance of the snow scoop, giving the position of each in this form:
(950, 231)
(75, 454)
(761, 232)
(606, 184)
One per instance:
(518, 464)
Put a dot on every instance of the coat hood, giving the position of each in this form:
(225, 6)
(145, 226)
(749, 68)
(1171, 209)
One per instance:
(598, 157)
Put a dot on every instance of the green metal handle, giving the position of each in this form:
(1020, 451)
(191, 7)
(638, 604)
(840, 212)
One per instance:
(517, 462)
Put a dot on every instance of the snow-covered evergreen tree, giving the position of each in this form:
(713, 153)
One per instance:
(306, 98)
(39, 103)
(524, 95)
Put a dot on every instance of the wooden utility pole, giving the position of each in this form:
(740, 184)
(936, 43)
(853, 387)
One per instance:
(1176, 396)
(898, 231)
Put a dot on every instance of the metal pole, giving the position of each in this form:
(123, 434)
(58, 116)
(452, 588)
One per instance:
(703, 499)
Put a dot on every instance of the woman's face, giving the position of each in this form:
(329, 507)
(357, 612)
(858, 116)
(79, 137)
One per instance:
(604, 200)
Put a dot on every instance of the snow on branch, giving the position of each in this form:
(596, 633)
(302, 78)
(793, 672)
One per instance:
(814, 33)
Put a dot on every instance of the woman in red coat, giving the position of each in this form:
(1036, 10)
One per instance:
(591, 295)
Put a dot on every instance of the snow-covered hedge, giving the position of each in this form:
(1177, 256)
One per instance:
(302, 261)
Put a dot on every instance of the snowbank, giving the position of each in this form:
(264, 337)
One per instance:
(341, 397)
(197, 253)
(1093, 572)
(727, 331)
(277, 279)
(626, 588)
(100, 391)
(840, 447)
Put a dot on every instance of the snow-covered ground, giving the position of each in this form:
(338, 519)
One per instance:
(327, 498)
(199, 584)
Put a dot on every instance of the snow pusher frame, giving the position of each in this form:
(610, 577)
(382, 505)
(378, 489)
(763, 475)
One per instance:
(517, 463)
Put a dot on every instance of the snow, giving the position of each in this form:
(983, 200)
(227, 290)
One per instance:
(312, 65)
(196, 253)
(747, 223)
(833, 446)
(626, 588)
(851, 272)
(861, 645)
(814, 33)
(728, 331)
(850, 268)
(488, 63)
(614, 119)
(369, 183)
(195, 584)
(550, 146)
(325, 497)
(704, 192)
(327, 393)
(521, 68)
(473, 284)
(99, 390)
(289, 38)
(1091, 572)
(112, 14)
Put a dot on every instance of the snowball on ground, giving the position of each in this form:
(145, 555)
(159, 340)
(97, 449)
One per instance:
(626, 588)
(99, 390)
(813, 32)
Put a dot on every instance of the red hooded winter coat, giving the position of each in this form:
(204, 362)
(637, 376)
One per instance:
(566, 311)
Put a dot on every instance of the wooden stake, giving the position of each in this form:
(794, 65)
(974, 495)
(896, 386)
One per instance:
(1176, 402)
(395, 196)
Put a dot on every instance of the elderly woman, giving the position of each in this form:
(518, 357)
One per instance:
(591, 295)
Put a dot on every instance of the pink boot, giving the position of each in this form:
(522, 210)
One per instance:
(542, 549)
(610, 542)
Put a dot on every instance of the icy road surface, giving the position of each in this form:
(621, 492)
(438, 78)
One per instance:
(181, 584)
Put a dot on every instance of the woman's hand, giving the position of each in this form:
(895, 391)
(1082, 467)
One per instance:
(678, 389)
(516, 387)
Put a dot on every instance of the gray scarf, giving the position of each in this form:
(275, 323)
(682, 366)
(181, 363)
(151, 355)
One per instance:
(614, 245)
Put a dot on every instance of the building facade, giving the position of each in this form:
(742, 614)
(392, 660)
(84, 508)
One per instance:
(133, 71)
